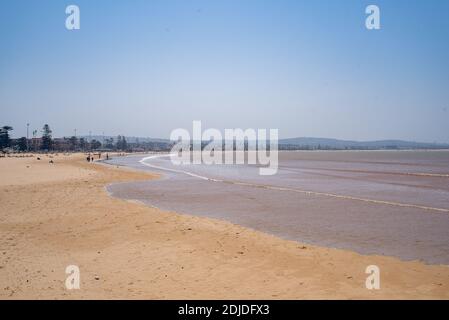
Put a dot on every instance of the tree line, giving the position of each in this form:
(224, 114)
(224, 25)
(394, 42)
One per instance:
(47, 143)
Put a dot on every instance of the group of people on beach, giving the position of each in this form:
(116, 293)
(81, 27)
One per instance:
(90, 158)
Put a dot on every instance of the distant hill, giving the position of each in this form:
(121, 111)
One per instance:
(309, 143)
(325, 143)
(128, 139)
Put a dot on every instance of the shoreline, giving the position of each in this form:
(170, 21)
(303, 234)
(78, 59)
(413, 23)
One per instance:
(303, 242)
(137, 251)
(308, 212)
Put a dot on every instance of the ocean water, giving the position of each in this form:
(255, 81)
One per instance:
(393, 203)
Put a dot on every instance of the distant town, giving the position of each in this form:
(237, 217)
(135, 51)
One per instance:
(46, 143)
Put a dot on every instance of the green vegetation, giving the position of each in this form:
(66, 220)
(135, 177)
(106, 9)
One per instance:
(5, 140)
(47, 143)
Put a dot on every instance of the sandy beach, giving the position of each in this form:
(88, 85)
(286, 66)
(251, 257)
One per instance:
(60, 214)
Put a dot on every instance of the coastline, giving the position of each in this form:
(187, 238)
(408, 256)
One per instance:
(59, 214)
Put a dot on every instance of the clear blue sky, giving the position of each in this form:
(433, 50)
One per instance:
(308, 68)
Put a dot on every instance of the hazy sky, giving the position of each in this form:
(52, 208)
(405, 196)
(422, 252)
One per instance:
(308, 68)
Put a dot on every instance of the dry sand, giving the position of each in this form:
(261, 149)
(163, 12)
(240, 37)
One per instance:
(54, 215)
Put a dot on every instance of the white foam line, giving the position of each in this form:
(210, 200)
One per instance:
(333, 195)
(398, 204)
(439, 175)
(142, 161)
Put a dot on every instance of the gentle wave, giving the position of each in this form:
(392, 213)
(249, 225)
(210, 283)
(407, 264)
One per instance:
(270, 187)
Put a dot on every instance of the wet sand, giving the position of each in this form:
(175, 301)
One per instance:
(393, 203)
(55, 215)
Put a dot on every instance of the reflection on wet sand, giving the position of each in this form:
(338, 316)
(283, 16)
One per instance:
(374, 202)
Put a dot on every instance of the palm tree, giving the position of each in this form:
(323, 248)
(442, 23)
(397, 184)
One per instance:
(5, 141)
(46, 138)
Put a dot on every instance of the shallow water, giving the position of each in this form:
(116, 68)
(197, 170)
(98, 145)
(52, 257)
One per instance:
(392, 203)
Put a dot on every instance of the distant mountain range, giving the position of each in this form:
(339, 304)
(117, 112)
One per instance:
(305, 143)
(324, 143)
(129, 139)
